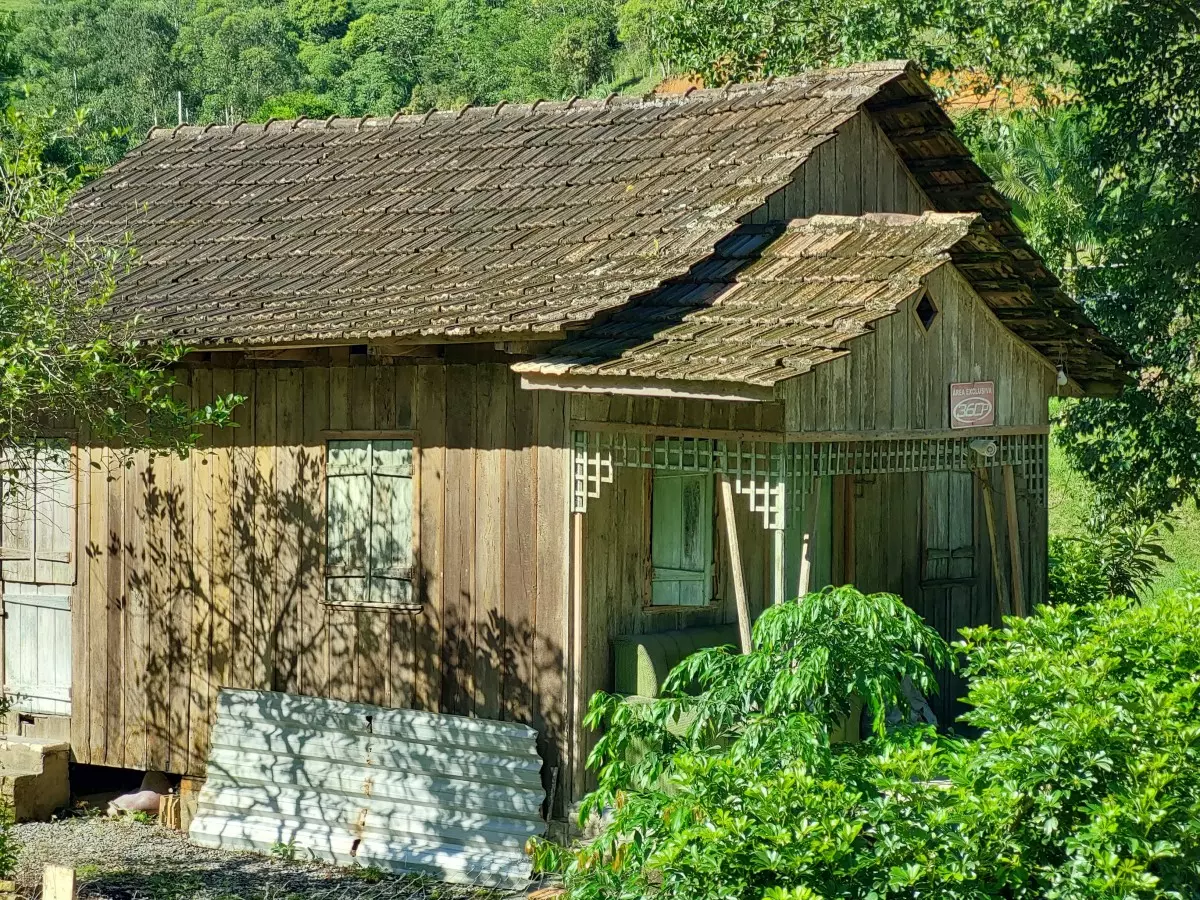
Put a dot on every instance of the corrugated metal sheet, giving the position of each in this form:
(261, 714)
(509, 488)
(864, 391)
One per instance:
(451, 797)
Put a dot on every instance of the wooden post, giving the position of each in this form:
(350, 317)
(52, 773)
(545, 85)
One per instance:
(58, 883)
(169, 812)
(735, 559)
(809, 540)
(848, 532)
(777, 563)
(989, 511)
(578, 639)
(1014, 542)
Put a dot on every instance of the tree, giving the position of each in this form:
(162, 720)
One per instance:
(63, 360)
(1108, 184)
(238, 54)
(582, 54)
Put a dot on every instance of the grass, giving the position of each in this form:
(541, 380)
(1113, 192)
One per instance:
(1069, 495)
(15, 5)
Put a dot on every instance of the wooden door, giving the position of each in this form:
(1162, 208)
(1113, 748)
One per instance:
(949, 582)
(37, 649)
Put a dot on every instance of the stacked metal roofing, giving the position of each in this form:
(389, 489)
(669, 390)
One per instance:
(348, 783)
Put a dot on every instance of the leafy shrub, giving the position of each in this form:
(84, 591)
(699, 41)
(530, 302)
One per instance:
(1118, 556)
(1082, 784)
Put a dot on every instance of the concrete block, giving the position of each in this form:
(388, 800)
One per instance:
(34, 777)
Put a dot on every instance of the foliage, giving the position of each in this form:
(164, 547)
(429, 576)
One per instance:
(61, 362)
(1082, 782)
(133, 63)
(1116, 557)
(813, 661)
(1103, 171)
(1090, 729)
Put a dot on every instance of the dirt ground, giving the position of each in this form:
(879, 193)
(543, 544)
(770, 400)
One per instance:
(121, 859)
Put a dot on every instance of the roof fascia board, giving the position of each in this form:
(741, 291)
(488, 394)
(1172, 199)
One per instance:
(675, 389)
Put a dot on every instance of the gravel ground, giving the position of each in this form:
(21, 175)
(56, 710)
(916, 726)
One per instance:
(119, 859)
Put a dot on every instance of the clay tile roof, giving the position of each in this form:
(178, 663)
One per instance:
(770, 302)
(508, 220)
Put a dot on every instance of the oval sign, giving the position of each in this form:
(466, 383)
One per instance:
(972, 404)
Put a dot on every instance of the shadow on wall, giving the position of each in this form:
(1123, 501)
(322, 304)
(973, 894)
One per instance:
(214, 577)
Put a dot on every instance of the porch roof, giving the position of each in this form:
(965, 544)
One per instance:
(770, 303)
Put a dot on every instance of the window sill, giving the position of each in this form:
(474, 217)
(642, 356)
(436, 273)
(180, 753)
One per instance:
(708, 607)
(377, 607)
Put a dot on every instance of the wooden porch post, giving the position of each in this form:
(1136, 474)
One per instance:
(807, 549)
(578, 623)
(735, 558)
(989, 511)
(1014, 541)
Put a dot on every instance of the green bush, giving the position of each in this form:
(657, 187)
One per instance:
(1119, 555)
(1083, 782)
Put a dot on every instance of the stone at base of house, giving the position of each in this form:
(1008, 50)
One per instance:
(34, 777)
(189, 798)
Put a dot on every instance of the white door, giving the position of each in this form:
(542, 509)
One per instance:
(37, 648)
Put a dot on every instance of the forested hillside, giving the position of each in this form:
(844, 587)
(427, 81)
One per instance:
(1088, 120)
(129, 61)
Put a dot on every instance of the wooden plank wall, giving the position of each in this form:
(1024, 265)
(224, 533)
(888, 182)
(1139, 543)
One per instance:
(206, 572)
(855, 172)
(898, 377)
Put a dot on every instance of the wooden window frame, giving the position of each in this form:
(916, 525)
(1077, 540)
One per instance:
(714, 580)
(328, 435)
(69, 440)
(937, 311)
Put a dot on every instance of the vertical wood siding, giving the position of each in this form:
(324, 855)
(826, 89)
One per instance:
(207, 572)
(855, 172)
(898, 377)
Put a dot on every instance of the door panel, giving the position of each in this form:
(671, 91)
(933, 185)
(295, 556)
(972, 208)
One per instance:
(37, 649)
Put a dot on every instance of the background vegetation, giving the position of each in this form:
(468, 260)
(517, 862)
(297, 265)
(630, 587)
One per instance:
(1090, 124)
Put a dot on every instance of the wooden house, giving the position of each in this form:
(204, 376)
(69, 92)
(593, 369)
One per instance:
(522, 380)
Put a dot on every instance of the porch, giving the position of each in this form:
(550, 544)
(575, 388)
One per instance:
(682, 529)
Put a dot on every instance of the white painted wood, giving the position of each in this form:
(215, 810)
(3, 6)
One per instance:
(37, 648)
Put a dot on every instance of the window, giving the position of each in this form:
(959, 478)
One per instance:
(369, 557)
(926, 311)
(38, 513)
(681, 539)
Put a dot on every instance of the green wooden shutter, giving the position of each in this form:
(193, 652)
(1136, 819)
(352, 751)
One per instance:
(348, 523)
(16, 514)
(391, 569)
(369, 548)
(681, 538)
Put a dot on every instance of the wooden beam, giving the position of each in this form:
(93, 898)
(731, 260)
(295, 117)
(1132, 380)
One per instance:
(735, 559)
(675, 388)
(578, 623)
(848, 531)
(1003, 600)
(721, 434)
(809, 539)
(297, 354)
(1014, 542)
(778, 561)
(811, 437)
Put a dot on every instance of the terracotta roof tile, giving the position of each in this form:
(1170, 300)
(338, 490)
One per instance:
(590, 200)
(769, 304)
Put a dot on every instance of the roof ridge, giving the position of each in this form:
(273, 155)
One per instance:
(897, 67)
